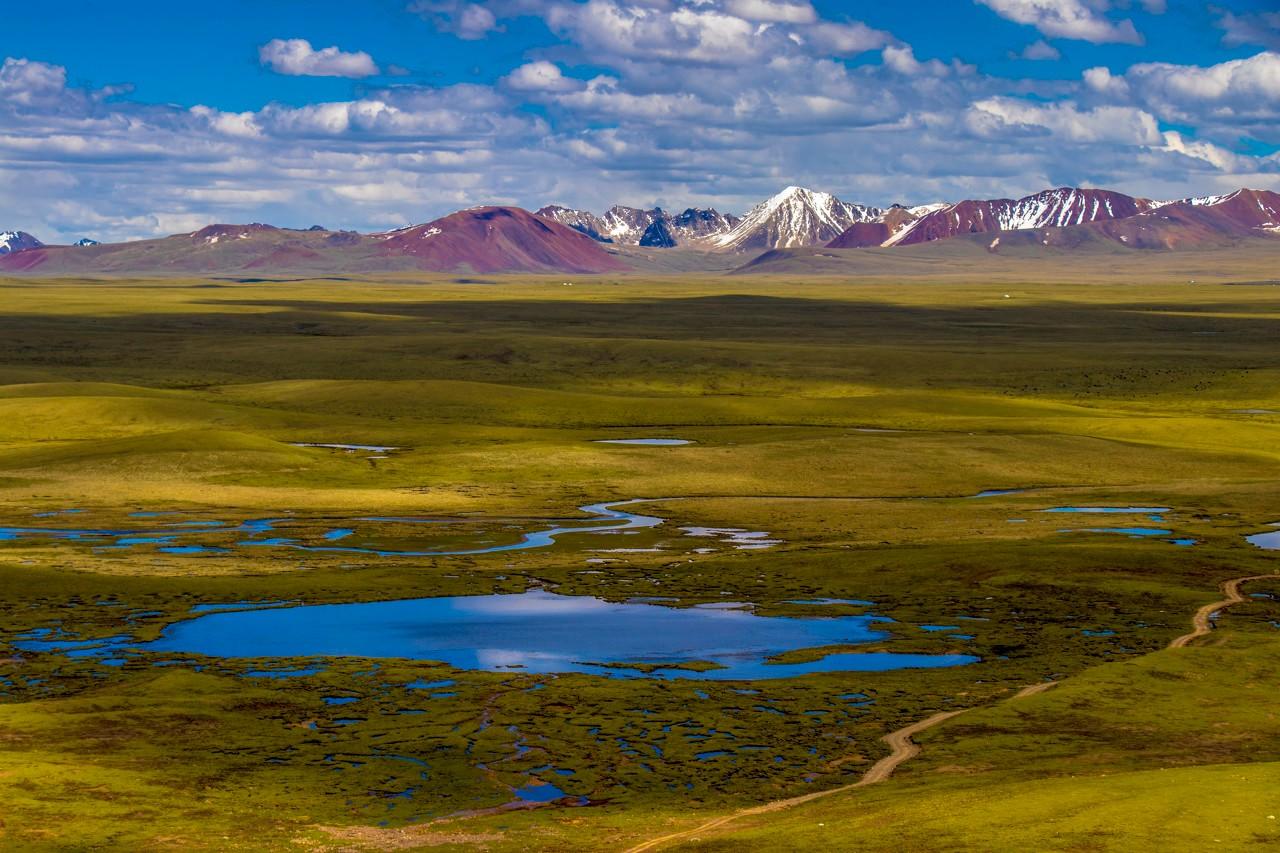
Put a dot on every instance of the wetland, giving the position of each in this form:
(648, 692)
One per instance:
(888, 501)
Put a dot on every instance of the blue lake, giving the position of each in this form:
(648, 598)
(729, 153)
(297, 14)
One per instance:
(535, 631)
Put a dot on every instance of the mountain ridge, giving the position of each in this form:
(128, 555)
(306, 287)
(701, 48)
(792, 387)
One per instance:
(560, 239)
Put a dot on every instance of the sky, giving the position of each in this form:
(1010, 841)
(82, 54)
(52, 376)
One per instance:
(139, 119)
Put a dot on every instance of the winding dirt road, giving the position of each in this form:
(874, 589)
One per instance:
(903, 748)
(900, 742)
(1202, 622)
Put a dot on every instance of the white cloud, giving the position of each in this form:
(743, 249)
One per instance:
(1073, 19)
(469, 21)
(1214, 155)
(1230, 99)
(296, 57)
(1039, 51)
(540, 76)
(27, 83)
(772, 10)
(1100, 79)
(714, 32)
(902, 59)
(1260, 28)
(1003, 117)
(847, 39)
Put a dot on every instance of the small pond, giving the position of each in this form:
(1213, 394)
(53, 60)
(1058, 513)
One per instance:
(645, 442)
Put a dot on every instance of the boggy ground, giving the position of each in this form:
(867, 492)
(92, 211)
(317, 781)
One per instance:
(850, 421)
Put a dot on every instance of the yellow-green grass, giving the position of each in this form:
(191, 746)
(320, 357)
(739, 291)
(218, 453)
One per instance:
(851, 420)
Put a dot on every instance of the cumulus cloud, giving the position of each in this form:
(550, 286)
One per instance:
(1011, 117)
(1084, 20)
(540, 76)
(28, 83)
(1256, 28)
(1238, 96)
(297, 58)
(772, 10)
(902, 58)
(1216, 156)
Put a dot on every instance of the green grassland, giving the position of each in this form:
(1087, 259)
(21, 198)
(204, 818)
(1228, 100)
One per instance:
(852, 420)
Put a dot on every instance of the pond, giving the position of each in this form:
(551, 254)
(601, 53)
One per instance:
(535, 631)
(1112, 510)
(645, 442)
(1269, 541)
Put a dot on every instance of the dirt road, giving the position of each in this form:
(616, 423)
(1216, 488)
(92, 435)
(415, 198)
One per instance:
(1202, 622)
(903, 748)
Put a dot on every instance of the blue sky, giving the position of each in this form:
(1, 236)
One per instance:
(135, 119)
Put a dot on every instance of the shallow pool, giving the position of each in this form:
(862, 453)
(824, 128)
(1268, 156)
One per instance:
(645, 442)
(188, 537)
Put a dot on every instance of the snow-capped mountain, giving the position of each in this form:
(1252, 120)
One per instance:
(633, 226)
(17, 241)
(1070, 219)
(659, 235)
(1222, 220)
(579, 220)
(878, 231)
(85, 241)
(793, 218)
(626, 225)
(1055, 208)
(699, 223)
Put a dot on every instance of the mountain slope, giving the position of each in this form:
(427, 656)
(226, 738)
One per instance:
(631, 226)
(1187, 224)
(498, 239)
(17, 241)
(488, 239)
(1051, 208)
(792, 218)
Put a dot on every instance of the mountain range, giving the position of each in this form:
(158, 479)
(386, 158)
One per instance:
(632, 226)
(561, 239)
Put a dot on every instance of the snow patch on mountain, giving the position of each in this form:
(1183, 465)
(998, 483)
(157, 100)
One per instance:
(633, 226)
(17, 241)
(1056, 208)
(795, 217)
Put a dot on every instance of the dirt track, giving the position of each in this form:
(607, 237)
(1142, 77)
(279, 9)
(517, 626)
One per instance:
(904, 748)
(900, 742)
(1202, 622)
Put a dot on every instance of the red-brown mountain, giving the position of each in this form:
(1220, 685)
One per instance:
(483, 240)
(863, 235)
(498, 239)
(1057, 208)
(1187, 224)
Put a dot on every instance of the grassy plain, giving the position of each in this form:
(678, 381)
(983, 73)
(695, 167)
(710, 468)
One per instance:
(851, 419)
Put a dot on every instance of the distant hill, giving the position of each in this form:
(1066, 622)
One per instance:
(485, 240)
(498, 239)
